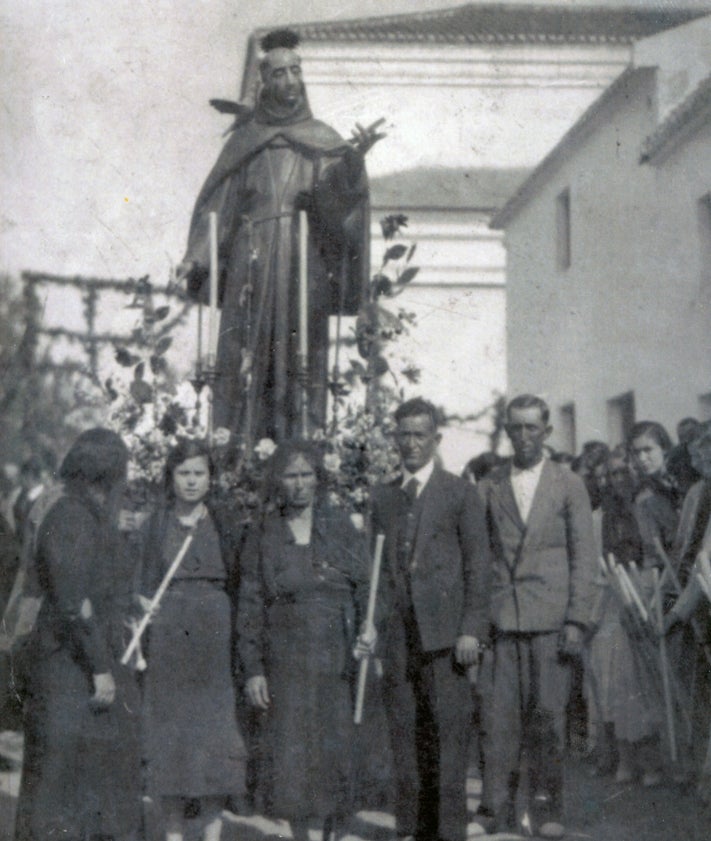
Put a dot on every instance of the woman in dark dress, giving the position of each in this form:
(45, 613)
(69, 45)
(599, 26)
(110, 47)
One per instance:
(192, 746)
(194, 752)
(656, 512)
(301, 596)
(81, 771)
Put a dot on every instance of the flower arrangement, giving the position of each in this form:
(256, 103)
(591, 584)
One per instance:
(152, 412)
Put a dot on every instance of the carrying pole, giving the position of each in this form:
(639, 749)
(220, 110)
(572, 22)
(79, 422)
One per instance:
(369, 627)
(155, 601)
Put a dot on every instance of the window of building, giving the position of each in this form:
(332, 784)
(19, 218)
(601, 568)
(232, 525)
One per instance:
(566, 429)
(705, 406)
(620, 418)
(704, 214)
(562, 224)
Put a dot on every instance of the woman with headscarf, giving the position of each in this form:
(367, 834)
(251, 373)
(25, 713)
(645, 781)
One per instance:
(81, 772)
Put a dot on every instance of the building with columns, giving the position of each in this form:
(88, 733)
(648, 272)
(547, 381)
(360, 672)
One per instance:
(474, 97)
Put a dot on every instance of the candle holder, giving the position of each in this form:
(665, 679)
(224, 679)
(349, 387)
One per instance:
(205, 375)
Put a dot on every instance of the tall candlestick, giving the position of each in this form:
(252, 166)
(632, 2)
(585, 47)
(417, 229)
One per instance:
(212, 321)
(198, 366)
(303, 284)
(303, 354)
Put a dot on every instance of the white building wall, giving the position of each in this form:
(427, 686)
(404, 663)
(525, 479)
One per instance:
(629, 314)
(457, 106)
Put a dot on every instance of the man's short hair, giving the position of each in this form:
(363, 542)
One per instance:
(414, 408)
(529, 401)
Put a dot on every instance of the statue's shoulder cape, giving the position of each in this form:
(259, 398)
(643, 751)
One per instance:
(248, 138)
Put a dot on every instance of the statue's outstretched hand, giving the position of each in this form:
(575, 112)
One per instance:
(365, 138)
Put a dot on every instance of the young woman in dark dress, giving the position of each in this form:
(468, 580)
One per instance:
(656, 512)
(81, 770)
(193, 749)
(302, 586)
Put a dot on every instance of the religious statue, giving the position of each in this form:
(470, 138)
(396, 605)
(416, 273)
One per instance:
(277, 161)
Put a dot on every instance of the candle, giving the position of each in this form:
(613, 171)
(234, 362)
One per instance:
(303, 286)
(212, 320)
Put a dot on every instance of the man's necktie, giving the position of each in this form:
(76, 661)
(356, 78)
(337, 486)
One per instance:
(410, 490)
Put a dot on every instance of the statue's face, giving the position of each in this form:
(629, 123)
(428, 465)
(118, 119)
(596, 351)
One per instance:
(281, 75)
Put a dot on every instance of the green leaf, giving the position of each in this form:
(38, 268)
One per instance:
(357, 367)
(409, 273)
(158, 364)
(110, 390)
(139, 371)
(161, 313)
(162, 345)
(124, 358)
(395, 252)
(381, 285)
(413, 247)
(141, 391)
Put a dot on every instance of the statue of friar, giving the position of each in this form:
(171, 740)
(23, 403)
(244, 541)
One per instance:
(277, 161)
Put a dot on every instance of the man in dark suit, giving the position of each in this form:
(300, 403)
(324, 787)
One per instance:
(433, 611)
(543, 567)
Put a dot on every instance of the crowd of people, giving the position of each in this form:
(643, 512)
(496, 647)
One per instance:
(164, 673)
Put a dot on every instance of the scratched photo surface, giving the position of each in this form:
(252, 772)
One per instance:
(551, 162)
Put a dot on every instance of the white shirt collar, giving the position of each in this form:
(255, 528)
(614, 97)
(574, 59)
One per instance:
(527, 471)
(422, 476)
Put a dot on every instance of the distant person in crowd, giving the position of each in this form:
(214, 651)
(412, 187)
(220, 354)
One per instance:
(433, 616)
(658, 499)
(656, 506)
(195, 756)
(9, 562)
(692, 551)
(590, 465)
(627, 702)
(594, 455)
(680, 465)
(544, 559)
(480, 466)
(10, 489)
(33, 477)
(302, 598)
(81, 771)
(566, 459)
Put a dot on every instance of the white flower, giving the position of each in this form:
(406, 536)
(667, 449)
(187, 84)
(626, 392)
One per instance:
(265, 448)
(332, 462)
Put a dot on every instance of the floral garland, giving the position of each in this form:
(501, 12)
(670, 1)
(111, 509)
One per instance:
(152, 412)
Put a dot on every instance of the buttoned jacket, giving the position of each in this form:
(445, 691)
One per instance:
(448, 565)
(543, 570)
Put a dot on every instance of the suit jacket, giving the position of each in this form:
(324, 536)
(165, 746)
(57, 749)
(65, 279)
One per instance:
(449, 569)
(543, 572)
(692, 595)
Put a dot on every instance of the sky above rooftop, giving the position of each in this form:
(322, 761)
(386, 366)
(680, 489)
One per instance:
(105, 119)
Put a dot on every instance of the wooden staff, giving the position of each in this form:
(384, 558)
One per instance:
(369, 627)
(699, 633)
(155, 601)
(303, 355)
(668, 703)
